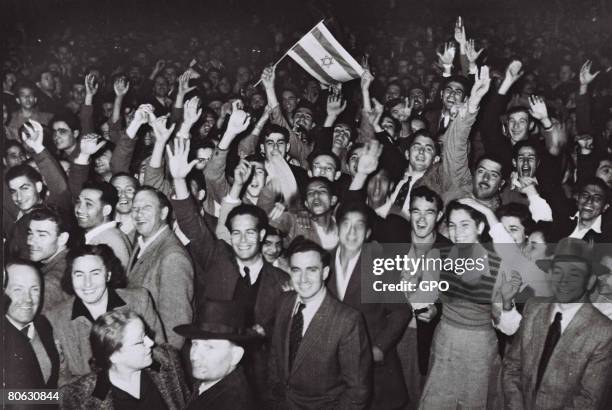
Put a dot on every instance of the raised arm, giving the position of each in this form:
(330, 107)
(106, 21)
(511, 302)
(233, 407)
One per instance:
(554, 133)
(583, 100)
(124, 148)
(155, 175)
(121, 87)
(79, 171)
(86, 111)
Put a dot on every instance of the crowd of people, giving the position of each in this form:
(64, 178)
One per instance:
(186, 225)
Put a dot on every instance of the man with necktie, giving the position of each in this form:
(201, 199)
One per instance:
(562, 354)
(30, 358)
(320, 355)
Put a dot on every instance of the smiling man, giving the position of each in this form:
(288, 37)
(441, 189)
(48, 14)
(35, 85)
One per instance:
(47, 244)
(586, 223)
(317, 338)
(31, 360)
(94, 210)
(564, 335)
(160, 263)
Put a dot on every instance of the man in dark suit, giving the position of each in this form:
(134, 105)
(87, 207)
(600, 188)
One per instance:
(561, 356)
(230, 272)
(218, 337)
(30, 358)
(320, 356)
(385, 323)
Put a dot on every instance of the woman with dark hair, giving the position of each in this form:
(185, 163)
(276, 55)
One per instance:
(95, 277)
(465, 363)
(128, 372)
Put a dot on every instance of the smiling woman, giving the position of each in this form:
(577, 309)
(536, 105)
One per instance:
(126, 366)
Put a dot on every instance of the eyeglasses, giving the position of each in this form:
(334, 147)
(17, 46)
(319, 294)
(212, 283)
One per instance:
(458, 93)
(586, 197)
(277, 144)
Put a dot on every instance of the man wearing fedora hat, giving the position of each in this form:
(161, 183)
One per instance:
(562, 354)
(218, 337)
(320, 355)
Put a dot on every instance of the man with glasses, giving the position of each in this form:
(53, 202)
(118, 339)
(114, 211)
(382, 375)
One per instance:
(586, 223)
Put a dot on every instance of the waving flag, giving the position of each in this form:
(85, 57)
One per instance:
(324, 58)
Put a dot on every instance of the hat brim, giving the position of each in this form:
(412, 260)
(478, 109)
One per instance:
(193, 332)
(597, 268)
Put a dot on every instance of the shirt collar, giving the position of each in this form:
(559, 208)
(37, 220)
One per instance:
(19, 327)
(254, 269)
(596, 226)
(313, 303)
(145, 244)
(95, 231)
(79, 309)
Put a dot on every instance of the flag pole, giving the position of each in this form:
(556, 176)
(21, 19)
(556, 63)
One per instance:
(290, 48)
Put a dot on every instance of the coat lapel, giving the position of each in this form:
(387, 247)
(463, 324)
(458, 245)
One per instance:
(285, 323)
(541, 324)
(266, 294)
(314, 333)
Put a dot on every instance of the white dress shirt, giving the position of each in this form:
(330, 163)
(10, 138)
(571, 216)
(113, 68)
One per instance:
(343, 277)
(311, 308)
(145, 244)
(254, 269)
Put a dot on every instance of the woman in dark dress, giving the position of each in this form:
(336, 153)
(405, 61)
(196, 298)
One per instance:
(131, 373)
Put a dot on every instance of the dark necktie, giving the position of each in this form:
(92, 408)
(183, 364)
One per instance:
(554, 333)
(25, 331)
(295, 334)
(247, 275)
(403, 193)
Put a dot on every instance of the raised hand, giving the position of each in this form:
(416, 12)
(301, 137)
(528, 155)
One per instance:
(159, 65)
(460, 32)
(121, 87)
(183, 82)
(514, 71)
(33, 136)
(238, 121)
(161, 132)
(537, 108)
(335, 105)
(368, 160)
(242, 172)
(89, 144)
(471, 53)
(177, 160)
(277, 211)
(366, 79)
(509, 288)
(191, 112)
(406, 109)
(481, 86)
(91, 85)
(448, 55)
(267, 77)
(585, 73)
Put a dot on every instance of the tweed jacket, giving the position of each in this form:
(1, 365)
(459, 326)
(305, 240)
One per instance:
(165, 270)
(166, 373)
(333, 364)
(578, 372)
(21, 368)
(52, 273)
(72, 329)
(385, 325)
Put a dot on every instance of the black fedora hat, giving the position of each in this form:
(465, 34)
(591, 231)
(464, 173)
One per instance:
(219, 319)
(575, 249)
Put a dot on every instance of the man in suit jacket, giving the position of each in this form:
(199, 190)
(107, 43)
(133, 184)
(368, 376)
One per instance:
(235, 271)
(30, 359)
(160, 263)
(320, 356)
(385, 323)
(561, 356)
